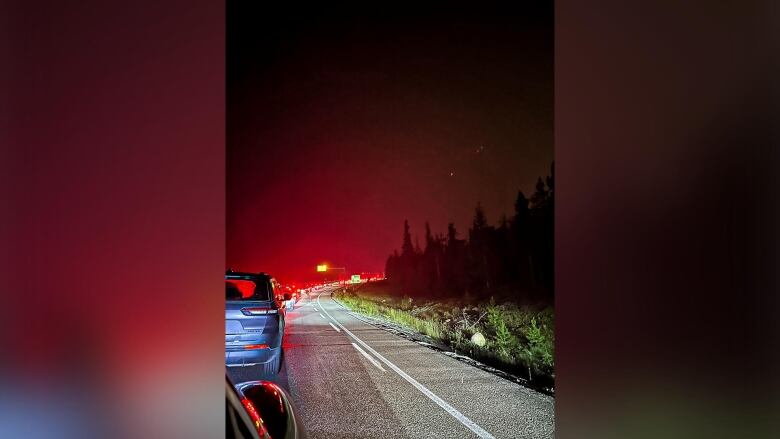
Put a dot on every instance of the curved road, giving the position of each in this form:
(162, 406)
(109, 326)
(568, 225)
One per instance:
(352, 380)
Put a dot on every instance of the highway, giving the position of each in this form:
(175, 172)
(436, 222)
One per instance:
(350, 379)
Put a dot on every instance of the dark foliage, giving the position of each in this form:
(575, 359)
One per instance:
(515, 255)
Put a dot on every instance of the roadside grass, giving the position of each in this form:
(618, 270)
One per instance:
(429, 327)
(517, 339)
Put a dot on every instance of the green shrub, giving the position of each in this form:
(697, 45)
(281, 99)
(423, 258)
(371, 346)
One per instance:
(540, 344)
(516, 336)
(502, 339)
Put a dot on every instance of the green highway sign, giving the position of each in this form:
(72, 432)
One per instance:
(355, 278)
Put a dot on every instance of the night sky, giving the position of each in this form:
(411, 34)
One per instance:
(341, 126)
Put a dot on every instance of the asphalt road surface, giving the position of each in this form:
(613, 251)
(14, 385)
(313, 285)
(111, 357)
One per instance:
(352, 380)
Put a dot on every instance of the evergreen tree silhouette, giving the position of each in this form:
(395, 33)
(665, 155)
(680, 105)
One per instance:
(521, 230)
(480, 222)
(406, 247)
(408, 261)
(539, 198)
(479, 243)
(454, 266)
(518, 253)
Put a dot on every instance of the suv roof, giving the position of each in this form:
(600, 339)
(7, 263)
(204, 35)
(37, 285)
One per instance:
(243, 274)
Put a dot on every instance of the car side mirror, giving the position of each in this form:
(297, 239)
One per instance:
(272, 406)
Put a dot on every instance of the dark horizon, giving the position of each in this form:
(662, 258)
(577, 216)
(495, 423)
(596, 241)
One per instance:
(340, 129)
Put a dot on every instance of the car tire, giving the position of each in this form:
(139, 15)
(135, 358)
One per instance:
(272, 367)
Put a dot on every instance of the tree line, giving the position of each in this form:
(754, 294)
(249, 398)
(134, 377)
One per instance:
(515, 255)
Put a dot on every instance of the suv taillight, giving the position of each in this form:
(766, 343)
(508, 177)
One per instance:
(258, 311)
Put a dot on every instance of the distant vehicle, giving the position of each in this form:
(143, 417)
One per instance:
(259, 410)
(254, 322)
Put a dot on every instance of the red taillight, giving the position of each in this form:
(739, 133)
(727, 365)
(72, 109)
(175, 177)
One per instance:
(256, 419)
(256, 346)
(258, 311)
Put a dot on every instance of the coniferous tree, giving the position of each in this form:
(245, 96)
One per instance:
(479, 250)
(430, 261)
(504, 252)
(517, 253)
(539, 198)
(407, 262)
(454, 261)
(428, 235)
(521, 228)
(391, 267)
(548, 233)
(406, 247)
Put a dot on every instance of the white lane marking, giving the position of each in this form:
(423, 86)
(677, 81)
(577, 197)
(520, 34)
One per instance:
(315, 308)
(479, 431)
(334, 327)
(370, 358)
(322, 316)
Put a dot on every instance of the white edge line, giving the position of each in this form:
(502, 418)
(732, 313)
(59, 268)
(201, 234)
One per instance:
(334, 327)
(432, 396)
(370, 358)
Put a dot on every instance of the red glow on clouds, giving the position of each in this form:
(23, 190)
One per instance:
(333, 141)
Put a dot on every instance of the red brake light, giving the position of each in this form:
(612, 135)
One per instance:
(256, 346)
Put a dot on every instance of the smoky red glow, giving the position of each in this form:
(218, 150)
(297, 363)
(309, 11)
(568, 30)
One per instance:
(340, 130)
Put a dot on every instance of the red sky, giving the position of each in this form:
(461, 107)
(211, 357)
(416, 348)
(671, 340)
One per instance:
(339, 129)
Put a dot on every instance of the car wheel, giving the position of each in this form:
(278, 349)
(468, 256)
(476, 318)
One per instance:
(272, 367)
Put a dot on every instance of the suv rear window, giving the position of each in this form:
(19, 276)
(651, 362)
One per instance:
(245, 289)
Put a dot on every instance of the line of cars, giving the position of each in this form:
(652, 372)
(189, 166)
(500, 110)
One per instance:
(256, 305)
